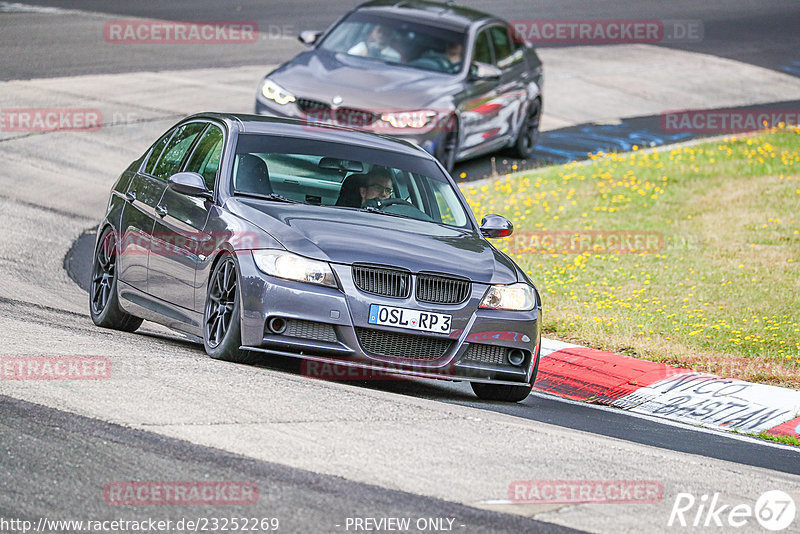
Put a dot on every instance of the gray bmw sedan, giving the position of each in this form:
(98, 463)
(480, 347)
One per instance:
(344, 248)
(453, 80)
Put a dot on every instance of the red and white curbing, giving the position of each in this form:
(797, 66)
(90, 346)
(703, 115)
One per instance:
(596, 376)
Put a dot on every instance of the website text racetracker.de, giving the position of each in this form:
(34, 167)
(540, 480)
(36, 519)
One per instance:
(727, 120)
(609, 31)
(198, 524)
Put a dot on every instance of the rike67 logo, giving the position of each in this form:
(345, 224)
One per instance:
(774, 510)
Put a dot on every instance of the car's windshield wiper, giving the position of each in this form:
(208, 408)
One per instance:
(369, 209)
(272, 196)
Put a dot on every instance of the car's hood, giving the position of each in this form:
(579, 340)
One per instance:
(361, 82)
(346, 236)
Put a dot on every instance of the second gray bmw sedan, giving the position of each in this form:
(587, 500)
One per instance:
(344, 248)
(451, 79)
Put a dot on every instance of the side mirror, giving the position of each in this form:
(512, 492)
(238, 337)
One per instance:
(308, 37)
(484, 71)
(496, 226)
(189, 183)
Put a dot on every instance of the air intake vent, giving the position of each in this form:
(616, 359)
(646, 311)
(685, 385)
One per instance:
(480, 352)
(310, 330)
(406, 346)
(382, 281)
(436, 289)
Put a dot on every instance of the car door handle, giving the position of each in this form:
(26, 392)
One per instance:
(161, 210)
(130, 196)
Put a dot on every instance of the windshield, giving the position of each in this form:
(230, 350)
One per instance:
(399, 42)
(337, 176)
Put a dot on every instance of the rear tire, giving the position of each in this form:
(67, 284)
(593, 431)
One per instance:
(222, 327)
(103, 299)
(500, 392)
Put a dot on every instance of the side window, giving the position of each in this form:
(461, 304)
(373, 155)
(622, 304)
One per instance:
(482, 52)
(158, 148)
(206, 156)
(503, 48)
(173, 155)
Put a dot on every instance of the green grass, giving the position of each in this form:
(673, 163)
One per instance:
(786, 440)
(720, 295)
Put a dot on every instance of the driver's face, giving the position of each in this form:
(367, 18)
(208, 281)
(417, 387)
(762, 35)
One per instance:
(376, 188)
(378, 35)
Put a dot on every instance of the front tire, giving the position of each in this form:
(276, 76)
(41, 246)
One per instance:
(103, 298)
(222, 328)
(528, 131)
(447, 147)
(500, 392)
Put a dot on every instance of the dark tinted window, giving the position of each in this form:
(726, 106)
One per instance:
(206, 156)
(173, 155)
(502, 44)
(398, 41)
(158, 148)
(321, 174)
(482, 53)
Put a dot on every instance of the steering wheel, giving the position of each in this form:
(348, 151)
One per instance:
(391, 202)
(401, 207)
(381, 204)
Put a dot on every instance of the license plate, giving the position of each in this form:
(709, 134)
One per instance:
(412, 319)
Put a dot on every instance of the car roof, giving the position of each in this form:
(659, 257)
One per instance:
(259, 124)
(443, 14)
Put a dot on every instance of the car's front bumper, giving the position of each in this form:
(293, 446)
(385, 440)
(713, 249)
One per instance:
(329, 326)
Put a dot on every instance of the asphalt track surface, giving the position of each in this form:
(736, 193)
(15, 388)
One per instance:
(761, 33)
(56, 462)
(61, 463)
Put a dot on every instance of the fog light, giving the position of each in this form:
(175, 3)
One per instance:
(516, 357)
(277, 325)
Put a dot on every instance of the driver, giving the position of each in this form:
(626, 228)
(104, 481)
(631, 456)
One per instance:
(377, 44)
(377, 185)
(453, 52)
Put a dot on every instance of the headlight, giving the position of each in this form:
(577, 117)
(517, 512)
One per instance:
(409, 119)
(516, 297)
(273, 91)
(293, 267)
